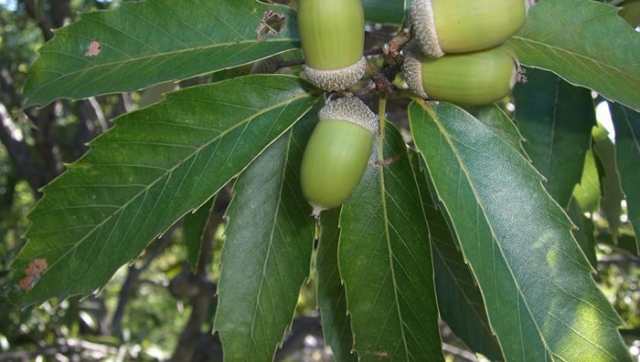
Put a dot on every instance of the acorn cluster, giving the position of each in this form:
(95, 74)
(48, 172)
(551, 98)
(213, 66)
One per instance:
(456, 56)
(339, 149)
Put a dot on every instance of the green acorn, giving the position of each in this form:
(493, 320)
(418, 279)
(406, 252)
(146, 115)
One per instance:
(462, 26)
(337, 153)
(332, 33)
(468, 79)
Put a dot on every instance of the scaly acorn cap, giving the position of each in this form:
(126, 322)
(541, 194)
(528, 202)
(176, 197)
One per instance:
(412, 70)
(350, 109)
(423, 16)
(424, 25)
(337, 79)
(470, 79)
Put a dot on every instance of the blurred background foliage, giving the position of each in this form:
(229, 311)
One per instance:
(152, 309)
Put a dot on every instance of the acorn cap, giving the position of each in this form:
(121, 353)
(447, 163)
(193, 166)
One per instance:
(412, 70)
(338, 79)
(424, 26)
(350, 109)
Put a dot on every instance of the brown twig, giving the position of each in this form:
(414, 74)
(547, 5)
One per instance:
(25, 165)
(91, 122)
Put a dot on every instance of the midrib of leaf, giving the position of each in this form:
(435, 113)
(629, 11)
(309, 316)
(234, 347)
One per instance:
(170, 171)
(271, 234)
(147, 58)
(494, 238)
(577, 55)
(383, 197)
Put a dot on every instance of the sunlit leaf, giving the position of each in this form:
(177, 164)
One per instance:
(536, 283)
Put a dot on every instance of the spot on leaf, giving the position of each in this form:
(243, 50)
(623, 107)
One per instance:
(33, 273)
(36, 267)
(271, 24)
(26, 283)
(94, 49)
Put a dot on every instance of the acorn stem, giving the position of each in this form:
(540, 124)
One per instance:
(382, 114)
(317, 210)
(382, 119)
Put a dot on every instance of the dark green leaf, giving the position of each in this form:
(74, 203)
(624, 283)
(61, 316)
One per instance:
(195, 226)
(586, 43)
(541, 300)
(155, 166)
(385, 11)
(459, 297)
(336, 325)
(149, 42)
(385, 262)
(556, 119)
(627, 124)
(585, 231)
(267, 252)
(611, 189)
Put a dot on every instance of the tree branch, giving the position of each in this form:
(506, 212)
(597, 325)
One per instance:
(19, 152)
(35, 13)
(91, 122)
(43, 133)
(86, 351)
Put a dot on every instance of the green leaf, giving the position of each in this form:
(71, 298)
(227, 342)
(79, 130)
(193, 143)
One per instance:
(585, 232)
(336, 325)
(496, 118)
(556, 119)
(149, 42)
(627, 125)
(587, 192)
(195, 226)
(385, 11)
(586, 43)
(459, 297)
(385, 261)
(611, 189)
(153, 167)
(267, 252)
(536, 283)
